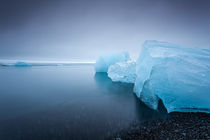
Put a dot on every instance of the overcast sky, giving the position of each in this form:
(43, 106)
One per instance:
(85, 29)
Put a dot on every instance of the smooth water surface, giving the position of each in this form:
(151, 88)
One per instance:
(65, 102)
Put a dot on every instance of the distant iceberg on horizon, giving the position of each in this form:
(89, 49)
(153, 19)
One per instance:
(22, 64)
(178, 75)
(28, 63)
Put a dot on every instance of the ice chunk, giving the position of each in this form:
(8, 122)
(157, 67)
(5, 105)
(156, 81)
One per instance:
(123, 72)
(26, 63)
(22, 64)
(180, 76)
(103, 62)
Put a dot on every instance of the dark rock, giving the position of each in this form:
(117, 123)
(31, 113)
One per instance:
(175, 126)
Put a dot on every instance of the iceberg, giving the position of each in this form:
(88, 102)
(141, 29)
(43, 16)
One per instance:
(15, 63)
(103, 62)
(123, 72)
(22, 64)
(28, 63)
(179, 76)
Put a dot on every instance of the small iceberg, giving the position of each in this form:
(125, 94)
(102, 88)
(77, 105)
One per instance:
(22, 64)
(15, 63)
(103, 62)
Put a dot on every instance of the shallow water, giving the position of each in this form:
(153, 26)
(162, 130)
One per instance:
(65, 102)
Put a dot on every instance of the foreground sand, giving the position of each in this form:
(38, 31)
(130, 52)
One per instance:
(175, 126)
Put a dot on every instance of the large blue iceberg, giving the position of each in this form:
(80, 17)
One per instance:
(177, 75)
(103, 62)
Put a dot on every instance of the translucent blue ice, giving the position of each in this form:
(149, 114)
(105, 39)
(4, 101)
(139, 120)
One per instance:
(178, 75)
(123, 72)
(22, 64)
(103, 62)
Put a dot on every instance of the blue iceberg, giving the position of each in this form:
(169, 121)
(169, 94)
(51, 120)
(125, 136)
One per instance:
(103, 62)
(22, 64)
(177, 75)
(123, 72)
(14, 63)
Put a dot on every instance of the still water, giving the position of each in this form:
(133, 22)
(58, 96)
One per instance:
(65, 102)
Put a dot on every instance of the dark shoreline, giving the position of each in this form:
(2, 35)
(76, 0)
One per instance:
(176, 125)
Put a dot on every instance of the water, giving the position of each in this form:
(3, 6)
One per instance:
(65, 102)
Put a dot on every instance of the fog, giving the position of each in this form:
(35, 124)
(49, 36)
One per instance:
(84, 29)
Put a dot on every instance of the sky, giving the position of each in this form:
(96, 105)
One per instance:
(86, 29)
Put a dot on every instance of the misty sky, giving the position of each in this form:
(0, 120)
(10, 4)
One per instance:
(84, 29)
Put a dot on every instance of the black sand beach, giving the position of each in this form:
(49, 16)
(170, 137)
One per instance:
(176, 125)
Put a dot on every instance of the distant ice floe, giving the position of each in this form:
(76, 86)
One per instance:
(22, 64)
(25, 63)
(178, 75)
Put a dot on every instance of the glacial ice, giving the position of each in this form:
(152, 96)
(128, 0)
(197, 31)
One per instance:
(22, 64)
(28, 63)
(103, 62)
(123, 72)
(177, 75)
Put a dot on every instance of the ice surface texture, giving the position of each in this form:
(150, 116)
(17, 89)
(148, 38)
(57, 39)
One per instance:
(178, 75)
(103, 62)
(123, 72)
